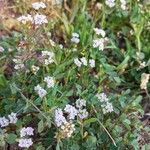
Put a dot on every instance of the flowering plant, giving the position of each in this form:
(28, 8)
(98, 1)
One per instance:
(74, 76)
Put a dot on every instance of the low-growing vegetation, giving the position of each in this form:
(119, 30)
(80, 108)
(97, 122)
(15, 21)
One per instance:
(74, 75)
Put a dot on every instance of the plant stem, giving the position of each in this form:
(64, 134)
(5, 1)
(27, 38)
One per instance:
(29, 101)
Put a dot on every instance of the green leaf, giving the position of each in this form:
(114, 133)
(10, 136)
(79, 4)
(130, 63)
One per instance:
(127, 123)
(13, 90)
(123, 64)
(11, 138)
(57, 147)
(40, 126)
(91, 120)
(49, 122)
(117, 79)
(40, 148)
(3, 80)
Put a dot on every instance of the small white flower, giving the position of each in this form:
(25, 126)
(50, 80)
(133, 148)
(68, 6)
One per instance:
(75, 35)
(107, 107)
(74, 49)
(92, 63)
(77, 62)
(38, 5)
(19, 66)
(59, 118)
(35, 69)
(123, 7)
(38, 87)
(50, 81)
(39, 19)
(25, 143)
(110, 3)
(49, 57)
(80, 103)
(82, 113)
(10, 49)
(84, 61)
(102, 97)
(25, 19)
(61, 46)
(144, 81)
(99, 43)
(52, 42)
(41, 92)
(123, 4)
(72, 111)
(26, 131)
(67, 129)
(75, 38)
(2, 49)
(4, 122)
(13, 118)
(100, 32)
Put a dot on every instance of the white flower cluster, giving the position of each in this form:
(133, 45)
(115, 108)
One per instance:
(37, 19)
(41, 92)
(38, 5)
(100, 42)
(106, 105)
(100, 32)
(35, 69)
(75, 38)
(67, 130)
(83, 61)
(144, 81)
(110, 3)
(25, 18)
(59, 117)
(71, 111)
(82, 112)
(12, 119)
(18, 64)
(26, 131)
(49, 57)
(4, 122)
(123, 4)
(50, 81)
(24, 141)
(66, 127)
(80, 103)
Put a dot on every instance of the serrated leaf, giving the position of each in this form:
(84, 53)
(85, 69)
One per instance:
(11, 138)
